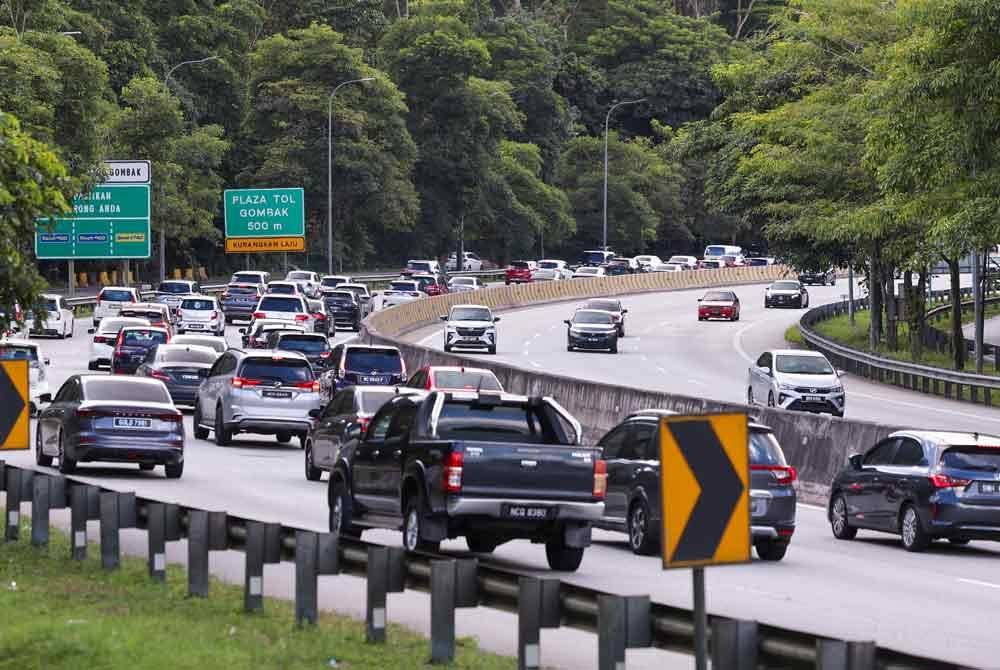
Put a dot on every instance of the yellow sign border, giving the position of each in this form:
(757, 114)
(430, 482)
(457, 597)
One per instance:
(19, 438)
(263, 245)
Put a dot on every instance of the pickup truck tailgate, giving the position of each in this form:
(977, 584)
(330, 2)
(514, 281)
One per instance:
(527, 471)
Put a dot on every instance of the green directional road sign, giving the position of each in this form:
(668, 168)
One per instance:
(112, 221)
(265, 212)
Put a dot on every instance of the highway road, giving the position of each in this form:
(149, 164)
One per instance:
(866, 589)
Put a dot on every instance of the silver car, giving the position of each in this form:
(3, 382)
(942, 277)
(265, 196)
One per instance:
(796, 379)
(200, 314)
(267, 393)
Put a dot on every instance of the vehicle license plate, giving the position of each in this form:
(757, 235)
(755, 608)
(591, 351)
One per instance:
(194, 325)
(814, 398)
(192, 378)
(989, 487)
(277, 394)
(127, 422)
(373, 379)
(114, 305)
(526, 512)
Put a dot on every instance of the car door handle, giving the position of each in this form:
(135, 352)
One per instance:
(376, 453)
(397, 452)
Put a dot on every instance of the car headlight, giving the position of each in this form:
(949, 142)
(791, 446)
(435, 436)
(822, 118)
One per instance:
(786, 387)
(837, 389)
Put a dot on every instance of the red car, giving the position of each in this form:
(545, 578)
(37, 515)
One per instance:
(518, 272)
(431, 284)
(719, 305)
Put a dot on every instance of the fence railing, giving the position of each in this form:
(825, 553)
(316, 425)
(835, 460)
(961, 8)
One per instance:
(620, 622)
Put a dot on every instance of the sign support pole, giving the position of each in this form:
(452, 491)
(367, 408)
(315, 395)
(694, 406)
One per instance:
(700, 620)
(125, 272)
(71, 283)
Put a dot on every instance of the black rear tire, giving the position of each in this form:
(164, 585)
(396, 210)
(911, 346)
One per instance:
(223, 437)
(313, 473)
(283, 437)
(199, 432)
(40, 457)
(67, 465)
(146, 467)
(770, 550)
(839, 524)
(561, 557)
(175, 470)
(342, 525)
(614, 347)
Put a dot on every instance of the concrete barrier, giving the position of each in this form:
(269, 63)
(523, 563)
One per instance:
(816, 445)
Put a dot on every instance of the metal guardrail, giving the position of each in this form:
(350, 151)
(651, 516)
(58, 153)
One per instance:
(620, 622)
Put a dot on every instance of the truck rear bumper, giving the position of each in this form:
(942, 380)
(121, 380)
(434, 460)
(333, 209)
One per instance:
(494, 508)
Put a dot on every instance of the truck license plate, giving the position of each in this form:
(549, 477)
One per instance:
(527, 512)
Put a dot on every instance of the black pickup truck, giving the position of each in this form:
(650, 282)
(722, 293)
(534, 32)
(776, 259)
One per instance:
(490, 467)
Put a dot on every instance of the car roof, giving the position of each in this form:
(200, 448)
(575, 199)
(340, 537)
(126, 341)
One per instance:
(117, 288)
(141, 327)
(149, 381)
(300, 334)
(276, 355)
(950, 438)
(590, 300)
(148, 305)
(376, 347)
(5, 342)
(592, 311)
(174, 346)
(125, 321)
(243, 284)
(798, 352)
(456, 368)
(347, 285)
(470, 305)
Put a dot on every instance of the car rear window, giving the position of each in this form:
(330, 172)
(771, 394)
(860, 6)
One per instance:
(499, 423)
(242, 290)
(116, 296)
(972, 458)
(14, 353)
(548, 265)
(331, 282)
(51, 305)
(419, 265)
(764, 449)
(720, 296)
(286, 371)
(340, 296)
(403, 286)
(368, 360)
(276, 304)
(458, 379)
(188, 356)
(118, 388)
(113, 326)
(605, 305)
(299, 275)
(372, 401)
(520, 265)
(144, 338)
(304, 343)
(173, 287)
(285, 289)
(198, 304)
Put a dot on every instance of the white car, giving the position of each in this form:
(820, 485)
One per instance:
(589, 271)
(464, 284)
(542, 274)
(308, 280)
(687, 262)
(470, 262)
(255, 335)
(110, 301)
(105, 335)
(646, 260)
(285, 288)
(172, 291)
(59, 320)
(667, 267)
(422, 267)
(200, 314)
(401, 291)
(470, 327)
(38, 383)
(292, 308)
(557, 265)
(330, 282)
(213, 342)
(251, 277)
(796, 379)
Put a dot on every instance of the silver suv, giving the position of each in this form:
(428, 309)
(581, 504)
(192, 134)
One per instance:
(267, 393)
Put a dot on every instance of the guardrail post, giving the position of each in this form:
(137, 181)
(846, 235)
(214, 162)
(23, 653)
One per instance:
(442, 611)
(12, 520)
(78, 522)
(396, 576)
(253, 574)
(197, 538)
(974, 393)
(272, 543)
(156, 530)
(306, 582)
(126, 510)
(611, 633)
(57, 492)
(551, 614)
(377, 575)
(218, 535)
(40, 512)
(947, 389)
(638, 623)
(27, 484)
(172, 529)
(329, 554)
(860, 656)
(529, 628)
(110, 550)
(734, 644)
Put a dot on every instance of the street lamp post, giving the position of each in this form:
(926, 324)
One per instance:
(607, 120)
(329, 170)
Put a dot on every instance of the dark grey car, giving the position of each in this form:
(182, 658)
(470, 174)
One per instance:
(631, 452)
(180, 367)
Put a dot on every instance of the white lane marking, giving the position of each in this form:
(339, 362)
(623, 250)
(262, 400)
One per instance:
(697, 382)
(738, 339)
(976, 582)
(426, 340)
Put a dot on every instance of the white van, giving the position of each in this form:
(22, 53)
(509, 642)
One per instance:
(716, 250)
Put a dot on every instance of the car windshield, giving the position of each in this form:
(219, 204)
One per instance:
(785, 286)
(198, 304)
(719, 296)
(678, 259)
(588, 271)
(381, 360)
(116, 296)
(372, 401)
(520, 265)
(242, 290)
(304, 343)
(466, 380)
(331, 282)
(186, 355)
(284, 289)
(606, 305)
(124, 389)
(403, 286)
(424, 281)
(423, 266)
(592, 257)
(471, 314)
(299, 275)
(173, 287)
(592, 317)
(548, 265)
(715, 251)
(12, 352)
(794, 364)
(144, 338)
(972, 458)
(269, 304)
(51, 305)
(286, 371)
(764, 449)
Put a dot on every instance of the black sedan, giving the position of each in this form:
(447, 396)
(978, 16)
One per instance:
(111, 419)
(181, 367)
(315, 347)
(592, 329)
(786, 293)
(922, 486)
(820, 277)
(133, 345)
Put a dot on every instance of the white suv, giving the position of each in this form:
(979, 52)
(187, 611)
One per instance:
(470, 326)
(307, 280)
(200, 314)
(796, 379)
(292, 308)
(110, 301)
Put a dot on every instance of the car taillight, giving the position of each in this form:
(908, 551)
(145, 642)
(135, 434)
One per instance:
(119, 341)
(161, 376)
(325, 354)
(309, 386)
(940, 481)
(319, 317)
(176, 418)
(259, 315)
(215, 315)
(783, 474)
(301, 317)
(453, 472)
(87, 413)
(240, 382)
(100, 339)
(363, 421)
(600, 478)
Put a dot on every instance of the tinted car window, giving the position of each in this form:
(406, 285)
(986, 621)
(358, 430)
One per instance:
(197, 303)
(471, 314)
(242, 290)
(592, 317)
(401, 423)
(881, 454)
(116, 296)
(764, 361)
(187, 356)
(372, 401)
(458, 379)
(972, 458)
(785, 285)
(299, 275)
(173, 287)
(284, 289)
(520, 265)
(721, 296)
(9, 352)
(381, 360)
(764, 449)
(276, 304)
(404, 286)
(606, 305)
(288, 371)
(144, 338)
(909, 453)
(304, 343)
(504, 423)
(126, 390)
(339, 296)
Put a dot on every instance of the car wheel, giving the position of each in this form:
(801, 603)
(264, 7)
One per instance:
(770, 550)
(912, 530)
(480, 544)
(199, 432)
(341, 510)
(640, 538)
(313, 473)
(146, 467)
(839, 524)
(621, 331)
(67, 465)
(40, 457)
(175, 470)
(770, 399)
(412, 523)
(767, 305)
(283, 438)
(561, 557)
(223, 437)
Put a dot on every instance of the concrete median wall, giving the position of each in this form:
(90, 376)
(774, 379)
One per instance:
(817, 446)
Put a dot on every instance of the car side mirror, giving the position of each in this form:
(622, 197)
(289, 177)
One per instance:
(315, 413)
(624, 311)
(855, 461)
(840, 373)
(566, 321)
(91, 331)
(699, 299)
(443, 317)
(496, 319)
(48, 361)
(243, 331)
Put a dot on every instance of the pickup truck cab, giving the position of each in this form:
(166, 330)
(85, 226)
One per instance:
(491, 467)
